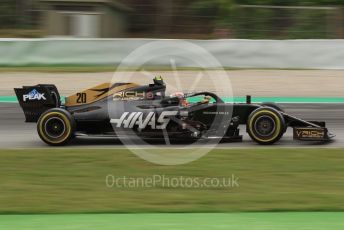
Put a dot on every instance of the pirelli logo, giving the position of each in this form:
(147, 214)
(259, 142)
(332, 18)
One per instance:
(309, 133)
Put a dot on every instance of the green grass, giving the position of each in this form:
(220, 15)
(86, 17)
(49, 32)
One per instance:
(73, 181)
(206, 221)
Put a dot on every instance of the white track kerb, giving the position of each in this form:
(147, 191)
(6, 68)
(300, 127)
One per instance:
(175, 53)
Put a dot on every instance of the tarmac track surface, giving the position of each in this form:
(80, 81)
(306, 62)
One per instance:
(15, 133)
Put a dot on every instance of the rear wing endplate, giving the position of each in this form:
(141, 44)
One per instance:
(35, 100)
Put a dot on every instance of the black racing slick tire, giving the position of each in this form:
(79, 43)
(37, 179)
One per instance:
(56, 126)
(265, 125)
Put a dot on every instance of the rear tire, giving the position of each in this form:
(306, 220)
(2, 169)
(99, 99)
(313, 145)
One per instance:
(265, 125)
(56, 126)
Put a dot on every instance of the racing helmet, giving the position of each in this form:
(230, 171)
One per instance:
(181, 97)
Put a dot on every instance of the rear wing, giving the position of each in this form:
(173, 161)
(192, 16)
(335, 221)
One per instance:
(35, 100)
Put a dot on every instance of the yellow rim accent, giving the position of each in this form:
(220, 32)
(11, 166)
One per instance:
(277, 131)
(65, 119)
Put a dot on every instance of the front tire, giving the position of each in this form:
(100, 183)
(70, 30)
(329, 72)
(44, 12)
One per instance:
(265, 125)
(56, 126)
(272, 105)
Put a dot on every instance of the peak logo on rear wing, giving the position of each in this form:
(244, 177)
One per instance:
(34, 95)
(35, 100)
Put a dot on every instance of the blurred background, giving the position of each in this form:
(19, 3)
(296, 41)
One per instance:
(303, 74)
(196, 19)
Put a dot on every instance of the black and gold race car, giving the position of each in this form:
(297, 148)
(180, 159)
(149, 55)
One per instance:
(144, 111)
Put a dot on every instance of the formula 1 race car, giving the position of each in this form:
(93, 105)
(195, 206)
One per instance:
(125, 109)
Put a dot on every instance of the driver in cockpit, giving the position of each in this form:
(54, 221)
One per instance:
(206, 100)
(182, 100)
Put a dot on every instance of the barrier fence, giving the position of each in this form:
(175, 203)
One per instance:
(231, 53)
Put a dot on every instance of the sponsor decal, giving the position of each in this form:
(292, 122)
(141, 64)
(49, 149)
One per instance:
(132, 95)
(216, 112)
(137, 119)
(34, 95)
(129, 95)
(149, 95)
(309, 133)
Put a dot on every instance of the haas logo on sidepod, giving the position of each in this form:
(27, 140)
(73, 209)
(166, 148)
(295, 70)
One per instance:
(129, 120)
